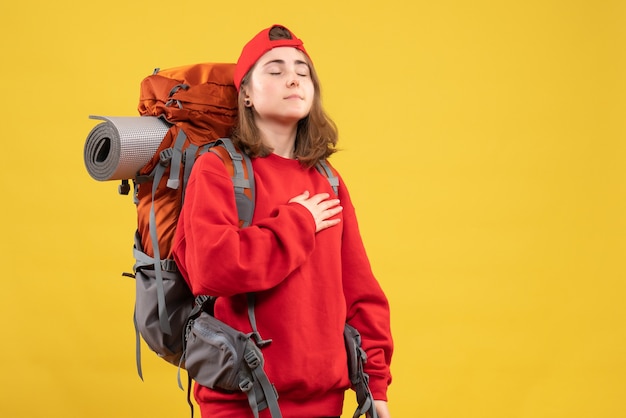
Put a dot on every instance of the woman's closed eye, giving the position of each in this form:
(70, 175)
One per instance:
(302, 69)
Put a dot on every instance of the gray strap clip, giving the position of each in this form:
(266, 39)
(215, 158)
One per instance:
(165, 157)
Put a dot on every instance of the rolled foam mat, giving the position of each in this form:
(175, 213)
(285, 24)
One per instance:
(118, 147)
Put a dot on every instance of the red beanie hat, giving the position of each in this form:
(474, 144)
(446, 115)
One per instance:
(258, 46)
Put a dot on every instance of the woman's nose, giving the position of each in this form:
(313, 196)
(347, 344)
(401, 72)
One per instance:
(293, 81)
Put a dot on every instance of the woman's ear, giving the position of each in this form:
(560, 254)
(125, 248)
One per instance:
(246, 98)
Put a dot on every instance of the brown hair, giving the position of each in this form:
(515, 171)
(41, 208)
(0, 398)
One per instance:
(316, 136)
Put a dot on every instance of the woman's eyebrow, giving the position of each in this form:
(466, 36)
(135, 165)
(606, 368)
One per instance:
(276, 61)
(282, 62)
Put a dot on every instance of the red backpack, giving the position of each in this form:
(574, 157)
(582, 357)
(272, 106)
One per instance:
(200, 101)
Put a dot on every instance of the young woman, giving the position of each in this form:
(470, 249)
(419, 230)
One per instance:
(302, 256)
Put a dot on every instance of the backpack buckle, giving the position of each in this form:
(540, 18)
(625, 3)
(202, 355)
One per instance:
(124, 188)
(235, 156)
(169, 265)
(252, 359)
(245, 385)
(166, 156)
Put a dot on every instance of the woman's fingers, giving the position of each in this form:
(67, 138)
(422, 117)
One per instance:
(322, 208)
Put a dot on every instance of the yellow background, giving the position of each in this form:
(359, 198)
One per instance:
(484, 146)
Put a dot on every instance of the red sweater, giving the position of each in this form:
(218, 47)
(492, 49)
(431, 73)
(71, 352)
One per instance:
(307, 285)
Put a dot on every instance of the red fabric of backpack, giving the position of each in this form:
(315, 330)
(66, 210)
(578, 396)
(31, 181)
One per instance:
(200, 100)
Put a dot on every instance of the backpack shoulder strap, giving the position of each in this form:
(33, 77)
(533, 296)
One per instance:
(324, 168)
(359, 379)
(239, 166)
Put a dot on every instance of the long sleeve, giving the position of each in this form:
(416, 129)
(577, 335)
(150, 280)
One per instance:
(367, 305)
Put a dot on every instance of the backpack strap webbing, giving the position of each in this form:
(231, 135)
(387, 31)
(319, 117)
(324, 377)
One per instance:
(359, 379)
(189, 158)
(171, 157)
(239, 166)
(327, 172)
(175, 154)
(262, 394)
(255, 332)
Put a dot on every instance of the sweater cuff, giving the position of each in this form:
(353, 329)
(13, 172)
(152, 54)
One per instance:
(304, 213)
(378, 387)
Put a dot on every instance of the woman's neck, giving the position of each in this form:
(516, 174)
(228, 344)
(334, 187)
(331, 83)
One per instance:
(281, 138)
